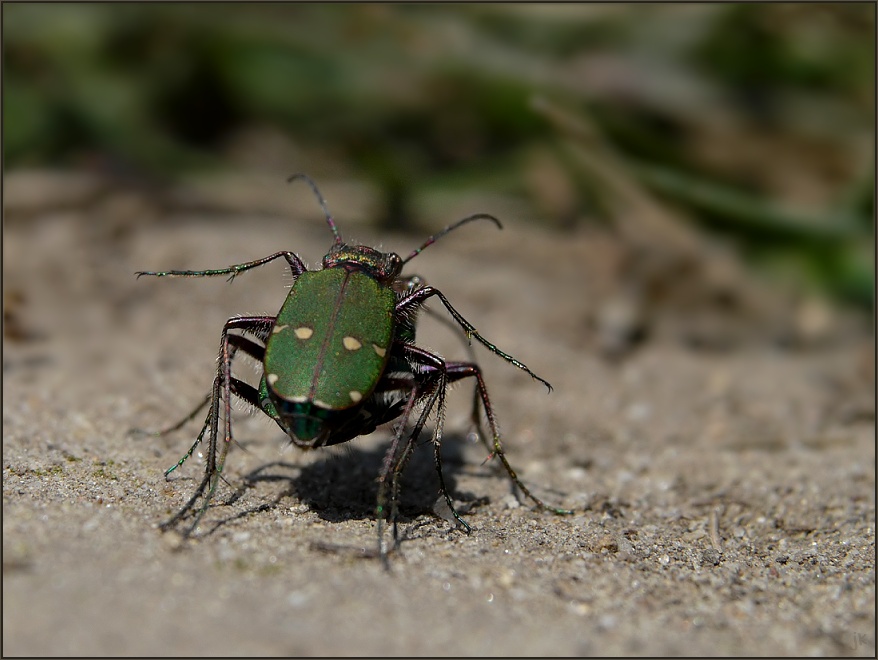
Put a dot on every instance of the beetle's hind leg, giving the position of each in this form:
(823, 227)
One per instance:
(414, 300)
(295, 264)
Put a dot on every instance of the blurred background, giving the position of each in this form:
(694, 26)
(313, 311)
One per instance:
(708, 148)
(687, 192)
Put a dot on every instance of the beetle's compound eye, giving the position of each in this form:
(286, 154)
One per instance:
(393, 265)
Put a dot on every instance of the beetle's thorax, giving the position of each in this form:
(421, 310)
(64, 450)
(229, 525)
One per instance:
(383, 266)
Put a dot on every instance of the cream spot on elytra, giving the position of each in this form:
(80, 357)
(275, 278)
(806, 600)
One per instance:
(355, 396)
(381, 351)
(304, 332)
(272, 378)
(279, 328)
(351, 344)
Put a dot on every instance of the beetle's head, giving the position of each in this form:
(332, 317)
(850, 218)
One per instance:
(307, 431)
(304, 423)
(383, 266)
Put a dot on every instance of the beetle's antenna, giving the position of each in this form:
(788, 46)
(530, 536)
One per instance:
(322, 201)
(436, 237)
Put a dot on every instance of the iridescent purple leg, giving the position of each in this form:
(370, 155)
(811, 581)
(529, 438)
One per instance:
(417, 298)
(224, 386)
(296, 266)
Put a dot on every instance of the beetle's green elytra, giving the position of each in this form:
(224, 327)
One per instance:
(339, 360)
(318, 356)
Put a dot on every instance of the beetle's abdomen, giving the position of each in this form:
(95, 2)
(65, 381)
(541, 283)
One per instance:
(331, 341)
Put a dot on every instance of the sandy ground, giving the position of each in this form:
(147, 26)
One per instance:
(724, 500)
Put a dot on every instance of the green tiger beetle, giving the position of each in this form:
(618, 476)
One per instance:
(339, 360)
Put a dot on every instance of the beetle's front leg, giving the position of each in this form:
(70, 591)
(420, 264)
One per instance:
(260, 330)
(224, 385)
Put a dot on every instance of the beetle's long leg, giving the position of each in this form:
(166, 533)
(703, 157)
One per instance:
(236, 385)
(435, 368)
(240, 388)
(410, 284)
(430, 362)
(224, 370)
(296, 266)
(261, 329)
(403, 457)
(224, 385)
(459, 371)
(418, 387)
(414, 300)
(387, 468)
(229, 344)
(195, 444)
(405, 286)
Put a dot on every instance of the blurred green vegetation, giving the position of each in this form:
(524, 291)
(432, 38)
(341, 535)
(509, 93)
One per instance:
(756, 119)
